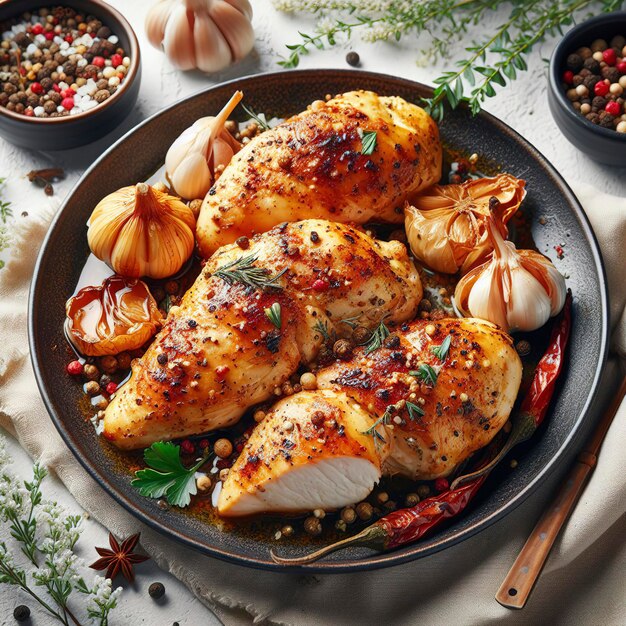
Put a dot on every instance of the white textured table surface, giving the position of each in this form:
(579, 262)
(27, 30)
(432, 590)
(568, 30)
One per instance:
(523, 106)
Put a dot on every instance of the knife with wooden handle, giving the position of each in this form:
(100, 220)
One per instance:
(519, 582)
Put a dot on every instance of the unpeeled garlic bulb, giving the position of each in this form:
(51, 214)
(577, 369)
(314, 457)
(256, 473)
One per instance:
(204, 34)
(191, 161)
(445, 225)
(140, 231)
(515, 289)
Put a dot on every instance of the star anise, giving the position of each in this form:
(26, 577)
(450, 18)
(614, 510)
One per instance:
(119, 558)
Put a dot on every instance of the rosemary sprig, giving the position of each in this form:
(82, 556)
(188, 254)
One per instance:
(415, 411)
(426, 373)
(243, 270)
(351, 322)
(377, 338)
(256, 117)
(273, 314)
(384, 419)
(322, 329)
(441, 352)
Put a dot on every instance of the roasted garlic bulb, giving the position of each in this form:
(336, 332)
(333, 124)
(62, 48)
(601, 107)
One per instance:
(140, 231)
(191, 161)
(515, 289)
(445, 224)
(117, 316)
(204, 34)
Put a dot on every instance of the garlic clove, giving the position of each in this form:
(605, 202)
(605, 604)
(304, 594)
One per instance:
(222, 153)
(156, 19)
(528, 307)
(234, 26)
(178, 42)
(213, 52)
(192, 177)
(243, 6)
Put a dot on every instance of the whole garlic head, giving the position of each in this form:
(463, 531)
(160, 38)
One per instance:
(191, 161)
(204, 34)
(515, 289)
(139, 231)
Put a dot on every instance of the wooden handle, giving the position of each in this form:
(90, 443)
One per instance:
(521, 578)
(519, 582)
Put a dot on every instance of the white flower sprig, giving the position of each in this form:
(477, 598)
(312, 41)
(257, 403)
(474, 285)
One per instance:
(47, 567)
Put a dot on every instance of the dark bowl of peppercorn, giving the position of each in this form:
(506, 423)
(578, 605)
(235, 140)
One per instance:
(587, 87)
(69, 73)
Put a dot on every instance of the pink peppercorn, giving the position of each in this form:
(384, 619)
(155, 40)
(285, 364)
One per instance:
(116, 60)
(320, 285)
(613, 108)
(67, 103)
(36, 88)
(98, 61)
(204, 444)
(56, 88)
(601, 88)
(441, 484)
(67, 93)
(568, 77)
(37, 29)
(29, 112)
(111, 388)
(69, 39)
(75, 368)
(609, 56)
(49, 35)
(221, 371)
(621, 67)
(187, 447)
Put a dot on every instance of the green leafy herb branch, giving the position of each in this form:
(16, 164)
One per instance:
(5, 213)
(37, 541)
(493, 60)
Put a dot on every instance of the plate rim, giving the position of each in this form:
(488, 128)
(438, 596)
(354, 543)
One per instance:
(377, 560)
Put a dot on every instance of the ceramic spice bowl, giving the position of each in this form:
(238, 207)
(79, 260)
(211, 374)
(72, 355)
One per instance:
(27, 125)
(604, 145)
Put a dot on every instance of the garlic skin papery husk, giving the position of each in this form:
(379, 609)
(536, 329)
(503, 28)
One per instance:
(204, 34)
(519, 290)
(139, 231)
(191, 161)
(445, 224)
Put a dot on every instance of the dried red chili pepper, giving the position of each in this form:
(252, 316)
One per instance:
(407, 525)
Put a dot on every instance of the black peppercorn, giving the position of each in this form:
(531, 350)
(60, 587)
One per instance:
(574, 62)
(593, 117)
(156, 590)
(592, 65)
(352, 58)
(21, 613)
(590, 81)
(598, 102)
(612, 73)
(578, 80)
(606, 121)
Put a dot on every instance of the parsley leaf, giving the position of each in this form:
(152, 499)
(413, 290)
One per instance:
(441, 352)
(166, 475)
(368, 142)
(426, 373)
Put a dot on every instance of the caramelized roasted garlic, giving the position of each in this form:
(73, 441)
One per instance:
(140, 231)
(118, 316)
(516, 289)
(192, 159)
(446, 226)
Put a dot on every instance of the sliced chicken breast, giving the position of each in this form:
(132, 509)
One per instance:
(310, 452)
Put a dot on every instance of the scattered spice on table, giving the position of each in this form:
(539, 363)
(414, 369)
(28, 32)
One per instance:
(56, 62)
(45, 177)
(120, 558)
(595, 82)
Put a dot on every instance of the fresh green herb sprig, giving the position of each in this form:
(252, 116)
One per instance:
(166, 475)
(377, 338)
(6, 211)
(322, 328)
(273, 314)
(425, 373)
(368, 142)
(491, 62)
(384, 419)
(256, 117)
(242, 270)
(441, 351)
(415, 411)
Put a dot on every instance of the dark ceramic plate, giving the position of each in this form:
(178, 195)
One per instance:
(140, 153)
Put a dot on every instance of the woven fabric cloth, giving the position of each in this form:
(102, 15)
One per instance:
(583, 580)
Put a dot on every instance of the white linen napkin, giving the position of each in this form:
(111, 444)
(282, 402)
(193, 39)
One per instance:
(583, 580)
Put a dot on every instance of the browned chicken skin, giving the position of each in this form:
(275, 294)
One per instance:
(312, 165)
(219, 353)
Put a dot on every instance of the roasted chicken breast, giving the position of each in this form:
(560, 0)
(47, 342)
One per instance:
(219, 352)
(316, 165)
(440, 408)
(310, 451)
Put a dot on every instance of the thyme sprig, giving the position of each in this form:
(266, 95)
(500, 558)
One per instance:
(256, 117)
(385, 420)
(242, 270)
(322, 328)
(491, 62)
(426, 373)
